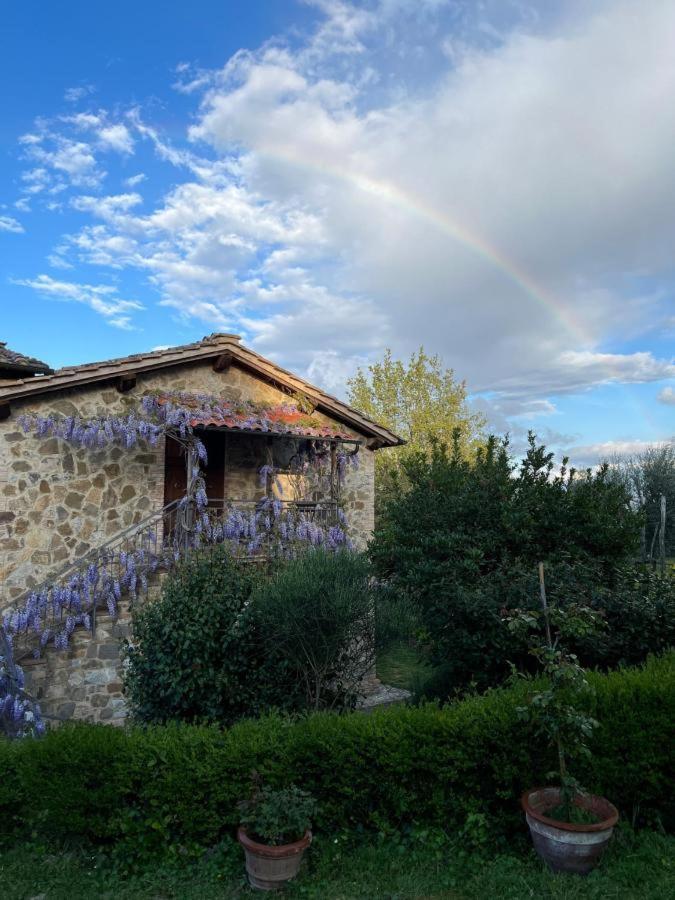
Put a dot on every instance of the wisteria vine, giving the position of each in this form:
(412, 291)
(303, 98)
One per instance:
(20, 716)
(51, 614)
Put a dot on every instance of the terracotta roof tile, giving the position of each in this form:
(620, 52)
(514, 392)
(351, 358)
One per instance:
(210, 347)
(20, 363)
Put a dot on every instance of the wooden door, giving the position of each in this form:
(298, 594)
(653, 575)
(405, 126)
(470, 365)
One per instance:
(214, 473)
(175, 472)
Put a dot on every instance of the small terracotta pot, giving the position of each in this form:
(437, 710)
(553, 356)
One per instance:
(568, 846)
(268, 868)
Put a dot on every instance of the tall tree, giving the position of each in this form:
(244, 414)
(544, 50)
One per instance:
(419, 400)
(647, 476)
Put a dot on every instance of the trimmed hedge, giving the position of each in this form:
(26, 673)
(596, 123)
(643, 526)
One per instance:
(177, 786)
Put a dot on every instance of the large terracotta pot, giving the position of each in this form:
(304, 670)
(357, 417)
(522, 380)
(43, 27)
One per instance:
(567, 846)
(268, 868)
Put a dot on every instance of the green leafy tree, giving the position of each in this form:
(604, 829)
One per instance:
(422, 402)
(648, 476)
(557, 710)
(463, 542)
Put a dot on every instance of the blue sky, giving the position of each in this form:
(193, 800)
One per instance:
(494, 181)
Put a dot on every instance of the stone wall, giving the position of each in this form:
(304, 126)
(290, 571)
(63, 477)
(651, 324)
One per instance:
(57, 502)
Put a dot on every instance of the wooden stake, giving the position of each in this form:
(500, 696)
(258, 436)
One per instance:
(544, 605)
(662, 536)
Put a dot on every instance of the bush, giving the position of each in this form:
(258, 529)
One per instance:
(316, 619)
(639, 614)
(276, 817)
(194, 652)
(225, 642)
(176, 787)
(464, 540)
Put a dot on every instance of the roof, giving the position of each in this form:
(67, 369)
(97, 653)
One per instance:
(11, 361)
(253, 418)
(222, 349)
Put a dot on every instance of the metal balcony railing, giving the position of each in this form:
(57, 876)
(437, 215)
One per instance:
(75, 595)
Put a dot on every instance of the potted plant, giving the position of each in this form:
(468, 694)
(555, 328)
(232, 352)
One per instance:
(570, 828)
(274, 832)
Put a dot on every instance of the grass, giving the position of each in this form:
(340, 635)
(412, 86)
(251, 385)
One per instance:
(401, 667)
(637, 867)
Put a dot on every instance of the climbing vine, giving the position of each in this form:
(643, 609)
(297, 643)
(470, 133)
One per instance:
(51, 614)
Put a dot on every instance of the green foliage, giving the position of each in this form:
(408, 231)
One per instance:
(73, 783)
(463, 542)
(316, 617)
(638, 609)
(194, 654)
(647, 476)
(636, 866)
(225, 642)
(555, 708)
(174, 789)
(276, 817)
(421, 402)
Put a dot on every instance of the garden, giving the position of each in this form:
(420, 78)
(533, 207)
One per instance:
(509, 597)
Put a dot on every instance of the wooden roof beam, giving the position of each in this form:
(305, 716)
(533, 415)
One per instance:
(126, 383)
(223, 362)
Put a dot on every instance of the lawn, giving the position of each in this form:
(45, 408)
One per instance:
(637, 867)
(400, 666)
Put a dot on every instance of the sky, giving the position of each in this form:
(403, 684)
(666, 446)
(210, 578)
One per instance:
(491, 179)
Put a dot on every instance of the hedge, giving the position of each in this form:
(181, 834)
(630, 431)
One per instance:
(177, 786)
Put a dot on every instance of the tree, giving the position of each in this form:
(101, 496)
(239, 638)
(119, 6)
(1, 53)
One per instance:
(648, 476)
(422, 402)
(463, 543)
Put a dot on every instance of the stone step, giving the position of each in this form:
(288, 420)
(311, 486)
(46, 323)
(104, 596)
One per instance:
(385, 695)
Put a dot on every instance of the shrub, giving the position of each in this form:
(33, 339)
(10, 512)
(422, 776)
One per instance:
(639, 613)
(176, 787)
(316, 617)
(464, 540)
(193, 652)
(276, 817)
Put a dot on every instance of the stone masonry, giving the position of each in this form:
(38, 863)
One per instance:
(57, 502)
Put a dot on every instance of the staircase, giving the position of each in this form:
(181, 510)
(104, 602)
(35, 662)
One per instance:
(69, 641)
(67, 632)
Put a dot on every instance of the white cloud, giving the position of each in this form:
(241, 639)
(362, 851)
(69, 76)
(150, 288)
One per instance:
(494, 196)
(101, 298)
(84, 121)
(433, 202)
(116, 137)
(35, 180)
(589, 455)
(64, 151)
(667, 396)
(8, 223)
(133, 180)
(73, 158)
(109, 208)
(75, 94)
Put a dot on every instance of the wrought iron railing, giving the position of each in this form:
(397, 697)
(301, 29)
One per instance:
(76, 594)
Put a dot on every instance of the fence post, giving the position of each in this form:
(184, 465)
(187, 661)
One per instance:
(662, 536)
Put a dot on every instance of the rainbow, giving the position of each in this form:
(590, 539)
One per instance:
(413, 205)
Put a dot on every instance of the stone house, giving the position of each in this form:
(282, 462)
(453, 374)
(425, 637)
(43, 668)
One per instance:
(60, 503)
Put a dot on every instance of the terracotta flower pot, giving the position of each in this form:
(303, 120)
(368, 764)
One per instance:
(268, 868)
(568, 846)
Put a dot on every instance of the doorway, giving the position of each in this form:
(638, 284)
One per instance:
(175, 471)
